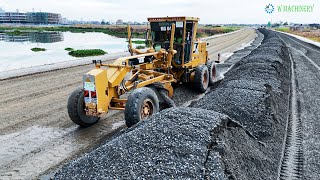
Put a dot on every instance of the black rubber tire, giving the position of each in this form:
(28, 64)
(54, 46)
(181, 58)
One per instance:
(76, 109)
(132, 112)
(201, 79)
(212, 72)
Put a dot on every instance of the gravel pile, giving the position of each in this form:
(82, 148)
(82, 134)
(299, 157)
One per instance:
(172, 144)
(234, 131)
(250, 88)
(238, 55)
(255, 94)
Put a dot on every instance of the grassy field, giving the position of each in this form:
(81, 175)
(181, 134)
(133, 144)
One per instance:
(307, 33)
(118, 31)
(205, 31)
(114, 30)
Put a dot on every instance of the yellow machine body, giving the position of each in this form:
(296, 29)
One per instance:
(105, 85)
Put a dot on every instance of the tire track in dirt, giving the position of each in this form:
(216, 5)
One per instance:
(292, 156)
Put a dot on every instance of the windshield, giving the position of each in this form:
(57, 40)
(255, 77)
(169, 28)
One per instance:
(161, 33)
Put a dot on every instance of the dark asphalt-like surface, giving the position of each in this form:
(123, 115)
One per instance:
(306, 59)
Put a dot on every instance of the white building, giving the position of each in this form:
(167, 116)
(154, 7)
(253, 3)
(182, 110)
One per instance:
(119, 22)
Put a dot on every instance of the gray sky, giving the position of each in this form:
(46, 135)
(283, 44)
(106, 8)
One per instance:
(209, 11)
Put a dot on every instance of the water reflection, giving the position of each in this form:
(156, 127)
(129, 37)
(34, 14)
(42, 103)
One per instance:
(35, 37)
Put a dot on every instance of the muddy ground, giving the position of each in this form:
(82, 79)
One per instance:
(35, 130)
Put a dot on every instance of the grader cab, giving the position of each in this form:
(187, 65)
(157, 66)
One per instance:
(141, 84)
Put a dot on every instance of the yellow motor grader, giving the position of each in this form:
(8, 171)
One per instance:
(141, 84)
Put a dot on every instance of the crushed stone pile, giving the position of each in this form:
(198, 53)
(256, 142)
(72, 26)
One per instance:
(234, 132)
(172, 144)
(255, 94)
(222, 68)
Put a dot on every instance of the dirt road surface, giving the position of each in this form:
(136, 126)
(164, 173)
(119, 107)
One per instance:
(302, 155)
(36, 134)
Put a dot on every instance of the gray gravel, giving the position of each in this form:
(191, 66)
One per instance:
(235, 131)
(307, 80)
(172, 144)
(255, 94)
(238, 55)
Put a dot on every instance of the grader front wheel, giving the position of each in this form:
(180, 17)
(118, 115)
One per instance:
(201, 78)
(212, 72)
(141, 104)
(76, 109)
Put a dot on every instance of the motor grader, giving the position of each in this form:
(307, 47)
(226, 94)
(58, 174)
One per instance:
(142, 84)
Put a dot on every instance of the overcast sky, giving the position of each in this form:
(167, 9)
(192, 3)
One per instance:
(209, 11)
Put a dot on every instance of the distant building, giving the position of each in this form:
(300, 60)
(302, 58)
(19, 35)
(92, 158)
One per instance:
(1, 10)
(30, 17)
(64, 21)
(43, 18)
(13, 17)
(119, 22)
(298, 27)
(314, 26)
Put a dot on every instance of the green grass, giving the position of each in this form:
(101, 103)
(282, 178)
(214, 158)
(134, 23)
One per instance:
(118, 32)
(69, 49)
(36, 49)
(138, 42)
(213, 30)
(227, 29)
(284, 29)
(140, 47)
(87, 52)
(315, 36)
(15, 33)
